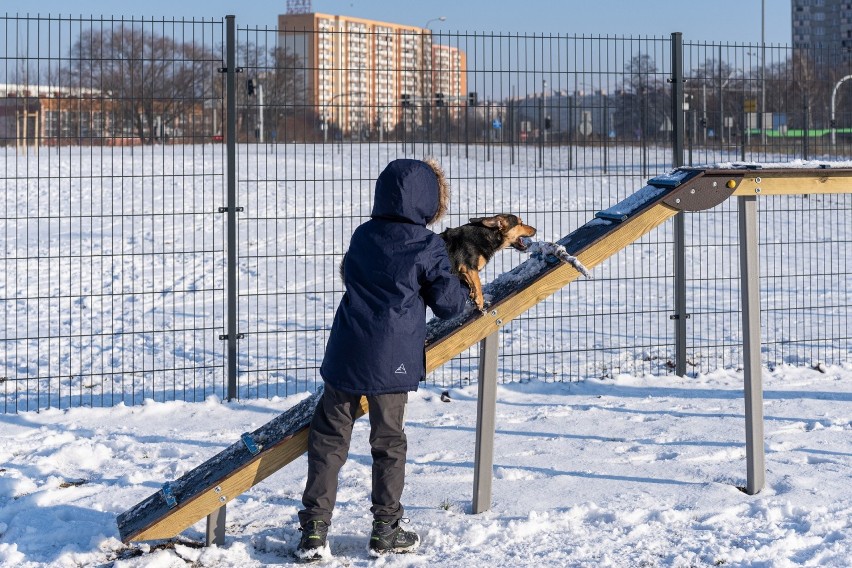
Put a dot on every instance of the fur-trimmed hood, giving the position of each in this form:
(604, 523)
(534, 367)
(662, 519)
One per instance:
(412, 191)
(443, 190)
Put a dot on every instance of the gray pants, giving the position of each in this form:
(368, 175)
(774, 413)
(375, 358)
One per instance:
(328, 448)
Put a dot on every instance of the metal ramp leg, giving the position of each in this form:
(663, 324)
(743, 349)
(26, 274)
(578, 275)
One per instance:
(750, 292)
(216, 527)
(486, 407)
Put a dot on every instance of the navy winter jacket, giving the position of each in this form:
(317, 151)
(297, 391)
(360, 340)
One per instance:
(394, 268)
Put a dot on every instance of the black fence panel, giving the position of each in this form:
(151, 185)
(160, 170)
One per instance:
(113, 267)
(112, 137)
(741, 110)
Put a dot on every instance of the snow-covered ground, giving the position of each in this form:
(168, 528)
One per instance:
(113, 285)
(114, 291)
(630, 471)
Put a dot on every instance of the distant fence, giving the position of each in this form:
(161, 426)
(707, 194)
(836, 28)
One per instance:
(159, 246)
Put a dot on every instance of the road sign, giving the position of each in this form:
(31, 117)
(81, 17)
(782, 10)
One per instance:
(585, 126)
(750, 105)
(496, 123)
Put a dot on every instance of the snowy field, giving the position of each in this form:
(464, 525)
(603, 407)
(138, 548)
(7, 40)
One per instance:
(625, 472)
(113, 287)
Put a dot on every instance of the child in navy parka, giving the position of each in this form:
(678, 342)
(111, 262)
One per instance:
(394, 268)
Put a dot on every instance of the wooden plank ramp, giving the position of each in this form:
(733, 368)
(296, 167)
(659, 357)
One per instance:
(239, 467)
(214, 483)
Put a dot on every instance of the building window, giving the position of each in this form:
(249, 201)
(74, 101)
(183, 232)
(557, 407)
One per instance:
(51, 124)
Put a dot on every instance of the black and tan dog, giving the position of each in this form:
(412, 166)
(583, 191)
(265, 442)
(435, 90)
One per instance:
(471, 246)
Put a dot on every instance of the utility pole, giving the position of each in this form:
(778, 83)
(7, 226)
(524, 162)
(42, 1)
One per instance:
(763, 72)
(260, 113)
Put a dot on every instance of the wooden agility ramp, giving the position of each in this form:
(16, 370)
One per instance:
(207, 488)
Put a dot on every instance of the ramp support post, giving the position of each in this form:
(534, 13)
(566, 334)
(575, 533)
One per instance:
(216, 527)
(750, 293)
(680, 316)
(486, 408)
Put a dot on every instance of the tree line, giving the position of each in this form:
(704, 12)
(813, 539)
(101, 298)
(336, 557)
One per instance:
(154, 82)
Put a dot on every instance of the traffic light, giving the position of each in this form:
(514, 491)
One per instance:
(250, 87)
(547, 123)
(439, 99)
(406, 100)
(472, 99)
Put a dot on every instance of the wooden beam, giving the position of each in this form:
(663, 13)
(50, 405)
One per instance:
(793, 181)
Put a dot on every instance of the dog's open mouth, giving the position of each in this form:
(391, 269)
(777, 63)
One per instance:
(522, 243)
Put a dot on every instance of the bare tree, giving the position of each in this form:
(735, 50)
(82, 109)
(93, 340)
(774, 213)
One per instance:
(144, 74)
(716, 89)
(287, 103)
(286, 79)
(282, 76)
(644, 105)
(641, 74)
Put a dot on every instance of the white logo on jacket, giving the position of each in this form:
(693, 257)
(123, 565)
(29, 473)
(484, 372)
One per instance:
(401, 369)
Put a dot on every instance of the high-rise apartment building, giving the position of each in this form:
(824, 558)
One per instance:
(823, 26)
(449, 72)
(369, 75)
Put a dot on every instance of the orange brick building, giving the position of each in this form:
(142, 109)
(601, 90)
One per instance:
(366, 74)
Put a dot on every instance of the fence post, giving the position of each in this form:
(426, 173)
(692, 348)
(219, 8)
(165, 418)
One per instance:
(680, 314)
(215, 533)
(231, 212)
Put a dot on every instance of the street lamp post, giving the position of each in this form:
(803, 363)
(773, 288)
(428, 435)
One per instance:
(833, 98)
(763, 72)
(260, 125)
(541, 129)
(438, 19)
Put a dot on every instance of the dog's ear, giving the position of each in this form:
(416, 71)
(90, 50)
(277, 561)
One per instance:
(495, 222)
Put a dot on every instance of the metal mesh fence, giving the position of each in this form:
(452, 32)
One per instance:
(769, 105)
(114, 278)
(543, 92)
(112, 274)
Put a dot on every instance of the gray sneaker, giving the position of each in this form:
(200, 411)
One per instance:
(390, 537)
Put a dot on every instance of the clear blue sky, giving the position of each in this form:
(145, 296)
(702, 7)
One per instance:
(719, 20)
